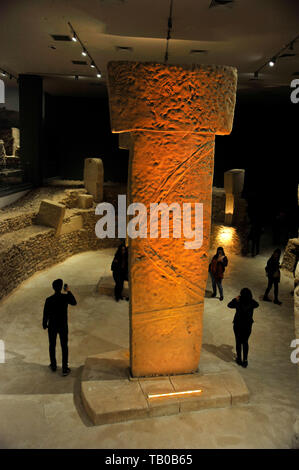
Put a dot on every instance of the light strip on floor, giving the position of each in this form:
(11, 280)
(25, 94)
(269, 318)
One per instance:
(174, 394)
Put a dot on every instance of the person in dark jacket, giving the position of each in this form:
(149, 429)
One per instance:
(273, 273)
(244, 305)
(216, 269)
(119, 268)
(55, 318)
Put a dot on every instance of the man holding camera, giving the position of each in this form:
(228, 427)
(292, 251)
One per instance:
(55, 319)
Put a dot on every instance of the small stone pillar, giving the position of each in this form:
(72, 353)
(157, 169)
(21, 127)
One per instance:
(233, 185)
(94, 178)
(173, 114)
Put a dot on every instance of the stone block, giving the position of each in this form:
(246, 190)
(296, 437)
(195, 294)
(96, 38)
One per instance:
(50, 214)
(85, 201)
(75, 223)
(234, 181)
(94, 178)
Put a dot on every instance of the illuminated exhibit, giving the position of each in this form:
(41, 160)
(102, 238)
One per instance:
(173, 114)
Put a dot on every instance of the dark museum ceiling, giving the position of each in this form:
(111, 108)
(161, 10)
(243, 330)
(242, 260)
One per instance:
(242, 33)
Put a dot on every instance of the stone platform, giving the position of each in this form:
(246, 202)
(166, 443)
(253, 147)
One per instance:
(110, 395)
(106, 286)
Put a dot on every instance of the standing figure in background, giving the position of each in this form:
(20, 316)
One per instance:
(55, 318)
(273, 273)
(216, 269)
(119, 268)
(244, 305)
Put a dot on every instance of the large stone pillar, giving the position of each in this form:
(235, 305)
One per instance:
(173, 114)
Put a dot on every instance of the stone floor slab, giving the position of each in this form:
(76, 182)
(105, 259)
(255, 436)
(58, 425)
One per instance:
(110, 396)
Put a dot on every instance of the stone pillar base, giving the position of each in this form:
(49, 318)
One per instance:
(110, 395)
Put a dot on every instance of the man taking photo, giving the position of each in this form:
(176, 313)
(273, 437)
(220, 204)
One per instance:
(55, 318)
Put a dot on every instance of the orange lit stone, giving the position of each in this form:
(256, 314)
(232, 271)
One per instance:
(173, 114)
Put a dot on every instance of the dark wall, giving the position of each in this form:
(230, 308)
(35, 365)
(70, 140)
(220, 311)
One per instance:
(79, 128)
(264, 142)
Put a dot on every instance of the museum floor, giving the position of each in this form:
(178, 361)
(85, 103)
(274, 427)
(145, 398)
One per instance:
(39, 409)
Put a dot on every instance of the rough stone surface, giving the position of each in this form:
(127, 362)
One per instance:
(11, 138)
(50, 214)
(289, 258)
(2, 153)
(74, 223)
(94, 177)
(155, 97)
(177, 111)
(85, 201)
(26, 248)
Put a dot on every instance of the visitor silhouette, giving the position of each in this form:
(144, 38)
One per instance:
(55, 318)
(216, 269)
(273, 273)
(119, 268)
(244, 305)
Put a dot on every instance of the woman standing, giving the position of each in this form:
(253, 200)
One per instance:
(216, 269)
(244, 305)
(273, 273)
(119, 268)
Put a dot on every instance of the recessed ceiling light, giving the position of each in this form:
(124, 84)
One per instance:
(287, 55)
(124, 48)
(60, 37)
(79, 62)
(216, 3)
(198, 51)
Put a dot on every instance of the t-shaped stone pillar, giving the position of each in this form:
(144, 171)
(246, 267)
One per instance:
(173, 114)
(233, 185)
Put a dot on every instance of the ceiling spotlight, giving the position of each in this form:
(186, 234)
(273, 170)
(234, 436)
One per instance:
(74, 38)
(3, 73)
(272, 63)
(92, 65)
(84, 53)
(99, 75)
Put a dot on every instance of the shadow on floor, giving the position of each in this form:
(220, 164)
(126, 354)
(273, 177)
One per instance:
(224, 352)
(78, 399)
(208, 294)
(26, 378)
